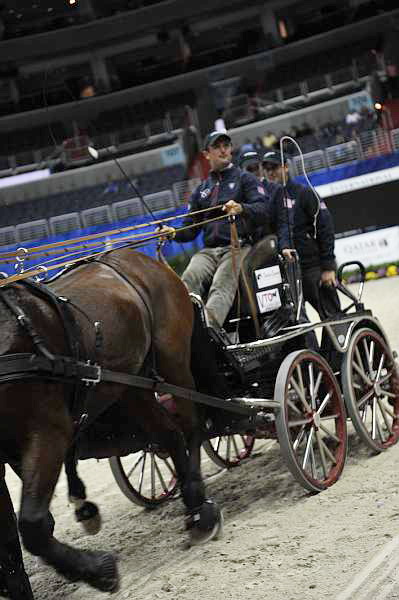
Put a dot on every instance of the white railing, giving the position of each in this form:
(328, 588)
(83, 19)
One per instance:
(314, 161)
(342, 154)
(395, 139)
(375, 143)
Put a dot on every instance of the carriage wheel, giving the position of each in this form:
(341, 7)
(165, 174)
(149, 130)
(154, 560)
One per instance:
(371, 389)
(311, 420)
(147, 478)
(229, 451)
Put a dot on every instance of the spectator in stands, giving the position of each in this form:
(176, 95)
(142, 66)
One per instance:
(269, 141)
(220, 125)
(247, 146)
(352, 120)
(312, 237)
(236, 193)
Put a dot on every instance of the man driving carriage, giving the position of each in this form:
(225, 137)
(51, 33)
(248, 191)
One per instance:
(238, 193)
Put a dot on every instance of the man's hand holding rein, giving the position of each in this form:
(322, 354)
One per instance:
(232, 208)
(166, 232)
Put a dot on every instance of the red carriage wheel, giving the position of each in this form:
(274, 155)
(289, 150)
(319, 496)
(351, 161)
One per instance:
(370, 382)
(311, 420)
(147, 478)
(229, 451)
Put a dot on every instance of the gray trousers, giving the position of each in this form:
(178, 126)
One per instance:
(212, 269)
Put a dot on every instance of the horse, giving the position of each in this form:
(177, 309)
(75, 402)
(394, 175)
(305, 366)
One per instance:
(133, 315)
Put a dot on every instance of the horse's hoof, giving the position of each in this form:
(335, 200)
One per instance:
(105, 575)
(205, 524)
(89, 517)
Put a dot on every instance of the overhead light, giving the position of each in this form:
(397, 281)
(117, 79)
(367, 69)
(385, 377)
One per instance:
(72, 1)
(93, 152)
(378, 106)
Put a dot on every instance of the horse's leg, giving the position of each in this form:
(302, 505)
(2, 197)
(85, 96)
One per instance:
(204, 518)
(14, 582)
(41, 464)
(86, 513)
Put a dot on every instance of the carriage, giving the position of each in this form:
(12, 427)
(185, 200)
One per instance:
(280, 389)
(258, 380)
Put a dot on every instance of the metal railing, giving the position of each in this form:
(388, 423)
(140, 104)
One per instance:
(342, 154)
(369, 144)
(314, 161)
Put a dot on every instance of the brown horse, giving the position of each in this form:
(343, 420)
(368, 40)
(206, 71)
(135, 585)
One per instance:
(146, 325)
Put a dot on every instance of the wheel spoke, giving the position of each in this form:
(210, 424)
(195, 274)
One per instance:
(152, 475)
(329, 417)
(160, 477)
(218, 444)
(299, 437)
(322, 455)
(384, 415)
(228, 449)
(311, 386)
(390, 394)
(361, 372)
(313, 463)
(300, 378)
(142, 473)
(330, 434)
(317, 384)
(235, 447)
(328, 451)
(365, 411)
(301, 395)
(307, 449)
(171, 469)
(365, 398)
(293, 407)
(378, 425)
(324, 403)
(389, 411)
(373, 419)
(300, 422)
(381, 364)
(366, 350)
(136, 464)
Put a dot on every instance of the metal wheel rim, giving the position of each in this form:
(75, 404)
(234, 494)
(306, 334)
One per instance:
(311, 420)
(228, 451)
(368, 381)
(146, 478)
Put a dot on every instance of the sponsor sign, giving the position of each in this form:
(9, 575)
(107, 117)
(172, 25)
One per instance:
(371, 248)
(268, 300)
(268, 276)
(357, 183)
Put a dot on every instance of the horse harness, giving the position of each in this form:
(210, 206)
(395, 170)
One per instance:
(83, 375)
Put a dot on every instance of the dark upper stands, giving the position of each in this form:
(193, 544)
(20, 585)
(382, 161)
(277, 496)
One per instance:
(90, 197)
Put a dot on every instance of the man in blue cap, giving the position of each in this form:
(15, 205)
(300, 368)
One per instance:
(312, 237)
(274, 195)
(237, 193)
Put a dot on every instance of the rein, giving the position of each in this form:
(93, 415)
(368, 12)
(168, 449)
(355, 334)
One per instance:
(43, 269)
(22, 253)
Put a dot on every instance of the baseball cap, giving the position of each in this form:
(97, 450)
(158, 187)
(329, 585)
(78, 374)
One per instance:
(273, 157)
(249, 158)
(213, 136)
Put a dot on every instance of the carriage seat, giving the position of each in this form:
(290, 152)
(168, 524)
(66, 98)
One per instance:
(273, 285)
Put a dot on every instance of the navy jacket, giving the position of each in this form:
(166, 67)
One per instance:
(230, 184)
(313, 236)
(278, 223)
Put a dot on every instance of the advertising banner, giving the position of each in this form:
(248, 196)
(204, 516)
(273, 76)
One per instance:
(372, 248)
